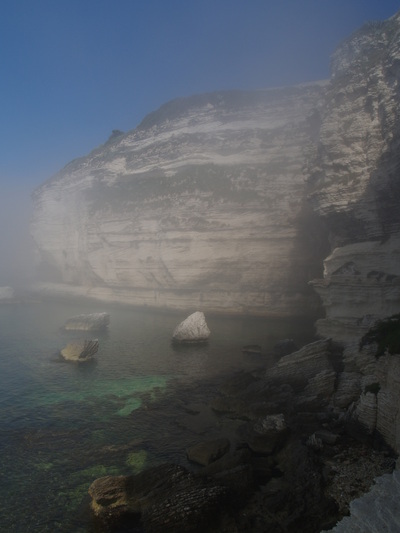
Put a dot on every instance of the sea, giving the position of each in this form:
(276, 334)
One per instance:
(62, 425)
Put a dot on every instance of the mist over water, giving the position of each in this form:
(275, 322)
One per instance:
(16, 246)
(63, 425)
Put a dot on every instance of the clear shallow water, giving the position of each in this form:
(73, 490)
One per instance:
(63, 425)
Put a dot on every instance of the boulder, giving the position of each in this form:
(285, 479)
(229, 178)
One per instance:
(80, 351)
(89, 322)
(205, 453)
(193, 329)
(166, 498)
(266, 435)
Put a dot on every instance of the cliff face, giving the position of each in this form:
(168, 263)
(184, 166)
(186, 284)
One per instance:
(230, 201)
(355, 186)
(200, 207)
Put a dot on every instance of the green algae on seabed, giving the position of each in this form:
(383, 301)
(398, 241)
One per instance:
(45, 467)
(93, 472)
(137, 460)
(130, 406)
(124, 388)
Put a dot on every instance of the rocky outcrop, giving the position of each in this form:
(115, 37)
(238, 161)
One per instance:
(376, 511)
(80, 351)
(365, 391)
(361, 284)
(297, 368)
(193, 329)
(354, 184)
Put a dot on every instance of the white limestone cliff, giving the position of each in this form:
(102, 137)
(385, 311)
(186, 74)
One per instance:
(197, 207)
(231, 201)
(354, 184)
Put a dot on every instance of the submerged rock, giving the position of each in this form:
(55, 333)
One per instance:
(89, 322)
(80, 351)
(205, 453)
(251, 349)
(193, 329)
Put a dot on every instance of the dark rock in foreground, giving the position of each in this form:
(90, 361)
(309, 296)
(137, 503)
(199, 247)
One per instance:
(166, 498)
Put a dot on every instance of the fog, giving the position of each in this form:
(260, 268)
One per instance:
(16, 245)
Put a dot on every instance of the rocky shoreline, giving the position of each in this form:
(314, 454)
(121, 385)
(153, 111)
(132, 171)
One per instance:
(279, 450)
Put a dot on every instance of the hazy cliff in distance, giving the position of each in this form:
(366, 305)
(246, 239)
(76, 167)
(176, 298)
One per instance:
(230, 202)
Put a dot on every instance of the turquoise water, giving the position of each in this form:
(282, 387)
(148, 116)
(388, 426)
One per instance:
(63, 425)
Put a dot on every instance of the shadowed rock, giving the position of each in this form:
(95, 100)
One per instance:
(205, 453)
(166, 498)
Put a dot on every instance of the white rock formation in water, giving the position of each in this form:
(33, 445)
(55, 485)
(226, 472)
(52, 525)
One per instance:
(193, 329)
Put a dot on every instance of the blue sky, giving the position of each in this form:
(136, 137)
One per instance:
(74, 70)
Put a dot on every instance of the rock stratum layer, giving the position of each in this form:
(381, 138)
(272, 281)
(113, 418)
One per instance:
(230, 201)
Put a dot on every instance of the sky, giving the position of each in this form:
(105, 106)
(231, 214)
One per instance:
(74, 70)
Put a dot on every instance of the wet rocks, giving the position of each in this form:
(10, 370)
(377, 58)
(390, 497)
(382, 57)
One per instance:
(193, 329)
(299, 367)
(348, 389)
(205, 453)
(370, 511)
(80, 351)
(88, 322)
(266, 435)
(166, 498)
